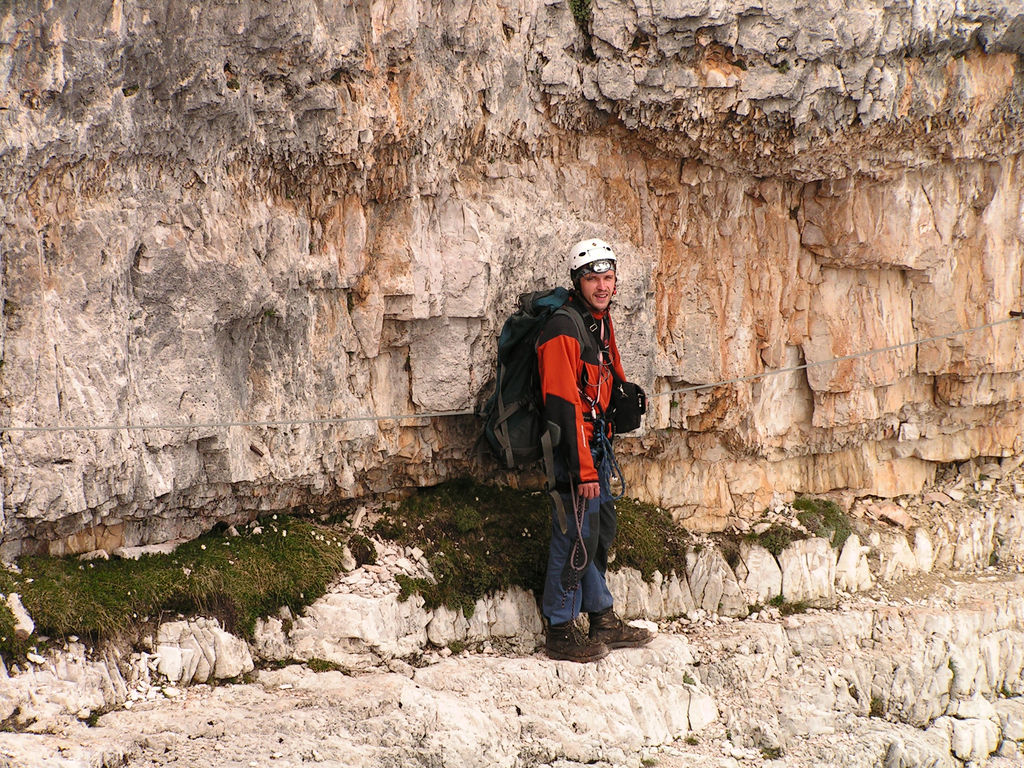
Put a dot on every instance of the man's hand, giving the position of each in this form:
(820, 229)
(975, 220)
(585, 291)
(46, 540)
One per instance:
(589, 490)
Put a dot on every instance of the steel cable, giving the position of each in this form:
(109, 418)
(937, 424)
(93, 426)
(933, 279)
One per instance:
(327, 421)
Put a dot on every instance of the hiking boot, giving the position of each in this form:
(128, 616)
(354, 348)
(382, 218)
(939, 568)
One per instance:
(568, 643)
(609, 629)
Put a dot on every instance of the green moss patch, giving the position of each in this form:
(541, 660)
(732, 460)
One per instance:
(648, 540)
(787, 608)
(479, 539)
(824, 518)
(10, 646)
(281, 561)
(580, 12)
(323, 665)
(776, 538)
(820, 517)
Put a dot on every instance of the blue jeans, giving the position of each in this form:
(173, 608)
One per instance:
(569, 587)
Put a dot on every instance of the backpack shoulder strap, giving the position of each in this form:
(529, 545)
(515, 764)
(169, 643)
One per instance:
(586, 338)
(586, 334)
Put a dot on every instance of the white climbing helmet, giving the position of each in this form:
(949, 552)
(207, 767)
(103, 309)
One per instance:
(591, 255)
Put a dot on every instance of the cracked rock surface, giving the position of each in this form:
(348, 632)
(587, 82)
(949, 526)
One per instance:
(923, 665)
(248, 230)
(934, 680)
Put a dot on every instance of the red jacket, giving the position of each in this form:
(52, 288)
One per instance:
(562, 377)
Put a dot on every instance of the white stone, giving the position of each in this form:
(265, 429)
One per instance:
(515, 613)
(853, 573)
(676, 597)
(758, 573)
(633, 596)
(446, 626)
(713, 584)
(270, 641)
(924, 551)
(897, 558)
(134, 553)
(200, 650)
(659, 598)
(350, 629)
(971, 739)
(702, 710)
(808, 571)
(23, 624)
(976, 707)
(1011, 718)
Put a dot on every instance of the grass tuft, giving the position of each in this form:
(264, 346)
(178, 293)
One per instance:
(457, 647)
(580, 12)
(8, 642)
(789, 608)
(821, 517)
(776, 538)
(362, 549)
(323, 665)
(877, 707)
(477, 539)
(648, 540)
(824, 518)
(236, 579)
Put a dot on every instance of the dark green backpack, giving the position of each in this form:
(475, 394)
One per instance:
(514, 423)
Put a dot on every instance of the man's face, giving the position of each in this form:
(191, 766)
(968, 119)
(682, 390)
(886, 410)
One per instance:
(597, 289)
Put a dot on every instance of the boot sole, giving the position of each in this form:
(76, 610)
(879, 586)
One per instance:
(579, 659)
(629, 643)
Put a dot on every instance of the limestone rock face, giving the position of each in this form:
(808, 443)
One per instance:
(932, 675)
(758, 573)
(713, 583)
(249, 231)
(808, 571)
(339, 628)
(635, 598)
(852, 571)
(23, 624)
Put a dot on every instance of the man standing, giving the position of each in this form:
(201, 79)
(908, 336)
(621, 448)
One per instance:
(577, 376)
